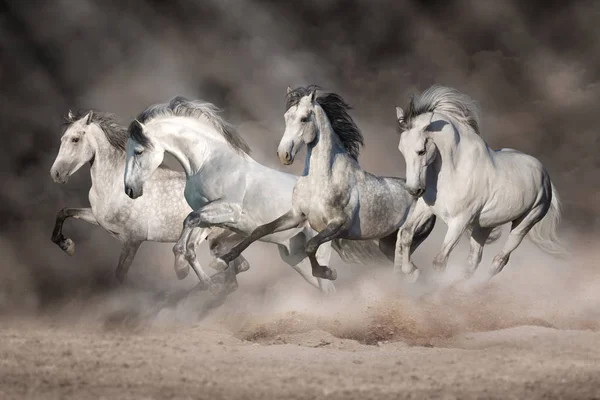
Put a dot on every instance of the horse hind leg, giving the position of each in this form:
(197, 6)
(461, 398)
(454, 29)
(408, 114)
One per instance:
(519, 229)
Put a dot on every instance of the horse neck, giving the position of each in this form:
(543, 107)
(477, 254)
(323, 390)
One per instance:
(108, 163)
(324, 149)
(456, 148)
(196, 149)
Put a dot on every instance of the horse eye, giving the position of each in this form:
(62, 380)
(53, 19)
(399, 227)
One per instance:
(138, 152)
(75, 140)
(304, 119)
(420, 152)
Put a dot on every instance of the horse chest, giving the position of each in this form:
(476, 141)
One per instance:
(113, 214)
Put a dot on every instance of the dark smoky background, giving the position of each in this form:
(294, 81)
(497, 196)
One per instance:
(533, 66)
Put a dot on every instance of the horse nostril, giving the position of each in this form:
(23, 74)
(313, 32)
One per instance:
(130, 192)
(287, 156)
(56, 174)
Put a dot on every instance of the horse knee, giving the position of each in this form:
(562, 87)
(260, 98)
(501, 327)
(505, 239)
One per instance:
(178, 249)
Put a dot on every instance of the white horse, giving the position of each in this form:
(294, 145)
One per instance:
(335, 195)
(225, 186)
(98, 139)
(468, 185)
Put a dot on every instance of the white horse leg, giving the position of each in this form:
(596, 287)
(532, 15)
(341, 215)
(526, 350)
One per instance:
(196, 237)
(182, 267)
(402, 263)
(66, 244)
(519, 229)
(128, 253)
(478, 238)
(323, 258)
(304, 268)
(456, 227)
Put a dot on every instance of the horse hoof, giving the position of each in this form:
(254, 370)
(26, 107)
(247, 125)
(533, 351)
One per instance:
(218, 264)
(182, 273)
(243, 266)
(411, 277)
(68, 246)
(331, 274)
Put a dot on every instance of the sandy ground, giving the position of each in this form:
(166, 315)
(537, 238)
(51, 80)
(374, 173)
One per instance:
(534, 332)
(524, 362)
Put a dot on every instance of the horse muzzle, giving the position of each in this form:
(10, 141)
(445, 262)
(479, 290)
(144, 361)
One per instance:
(418, 192)
(58, 176)
(133, 193)
(285, 157)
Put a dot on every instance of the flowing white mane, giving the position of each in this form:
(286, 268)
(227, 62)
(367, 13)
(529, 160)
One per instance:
(444, 100)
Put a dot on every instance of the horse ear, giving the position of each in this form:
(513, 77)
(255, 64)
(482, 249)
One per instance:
(70, 116)
(313, 96)
(140, 124)
(289, 90)
(89, 117)
(399, 114)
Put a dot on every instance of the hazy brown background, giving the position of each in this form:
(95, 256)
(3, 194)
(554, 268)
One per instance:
(534, 67)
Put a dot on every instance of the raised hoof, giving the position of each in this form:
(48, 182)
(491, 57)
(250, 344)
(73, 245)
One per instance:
(328, 273)
(218, 264)
(68, 246)
(182, 273)
(243, 266)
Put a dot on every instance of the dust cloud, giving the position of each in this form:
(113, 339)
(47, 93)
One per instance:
(532, 67)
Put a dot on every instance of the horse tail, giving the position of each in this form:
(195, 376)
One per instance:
(545, 233)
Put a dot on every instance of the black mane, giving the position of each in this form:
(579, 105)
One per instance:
(337, 111)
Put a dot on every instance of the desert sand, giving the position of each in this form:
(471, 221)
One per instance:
(534, 332)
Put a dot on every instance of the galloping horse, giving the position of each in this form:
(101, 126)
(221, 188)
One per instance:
(335, 195)
(96, 138)
(468, 185)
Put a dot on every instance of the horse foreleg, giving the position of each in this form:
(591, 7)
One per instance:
(403, 265)
(330, 232)
(478, 239)
(219, 242)
(66, 244)
(456, 227)
(287, 221)
(128, 253)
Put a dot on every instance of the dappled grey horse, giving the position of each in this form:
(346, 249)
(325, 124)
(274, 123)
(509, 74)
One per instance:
(96, 138)
(225, 186)
(335, 195)
(471, 187)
